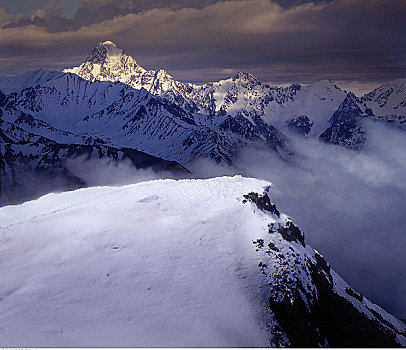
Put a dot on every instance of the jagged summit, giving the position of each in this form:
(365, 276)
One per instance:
(108, 62)
(346, 128)
(244, 76)
(104, 50)
(350, 104)
(384, 92)
(325, 84)
(388, 102)
(107, 55)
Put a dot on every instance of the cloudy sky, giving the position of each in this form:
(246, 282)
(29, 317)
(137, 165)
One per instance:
(357, 43)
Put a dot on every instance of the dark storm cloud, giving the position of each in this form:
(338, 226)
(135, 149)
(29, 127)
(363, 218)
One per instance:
(301, 41)
(92, 12)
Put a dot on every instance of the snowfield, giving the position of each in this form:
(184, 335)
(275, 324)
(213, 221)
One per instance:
(161, 263)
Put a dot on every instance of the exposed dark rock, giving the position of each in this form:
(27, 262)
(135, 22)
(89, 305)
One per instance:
(330, 320)
(291, 232)
(3, 99)
(262, 202)
(345, 125)
(354, 294)
(240, 126)
(322, 263)
(259, 243)
(273, 247)
(301, 125)
(308, 310)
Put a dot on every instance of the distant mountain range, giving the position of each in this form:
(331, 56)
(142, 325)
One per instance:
(168, 257)
(110, 101)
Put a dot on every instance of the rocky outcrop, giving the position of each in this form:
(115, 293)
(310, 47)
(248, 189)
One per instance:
(313, 306)
(345, 125)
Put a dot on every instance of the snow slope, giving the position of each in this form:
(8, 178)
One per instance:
(78, 270)
(166, 263)
(388, 102)
(28, 159)
(9, 84)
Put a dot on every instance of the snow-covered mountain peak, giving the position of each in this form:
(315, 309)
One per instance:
(350, 101)
(245, 77)
(388, 101)
(399, 84)
(383, 92)
(400, 81)
(107, 62)
(108, 43)
(325, 84)
(345, 125)
(103, 51)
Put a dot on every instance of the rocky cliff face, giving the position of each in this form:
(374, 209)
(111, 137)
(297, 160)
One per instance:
(313, 306)
(346, 125)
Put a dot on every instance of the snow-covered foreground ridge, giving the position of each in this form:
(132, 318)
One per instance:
(173, 263)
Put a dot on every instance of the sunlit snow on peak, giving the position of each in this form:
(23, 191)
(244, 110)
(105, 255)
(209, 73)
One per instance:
(108, 42)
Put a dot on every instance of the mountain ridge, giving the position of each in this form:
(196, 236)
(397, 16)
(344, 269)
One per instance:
(218, 253)
(111, 100)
